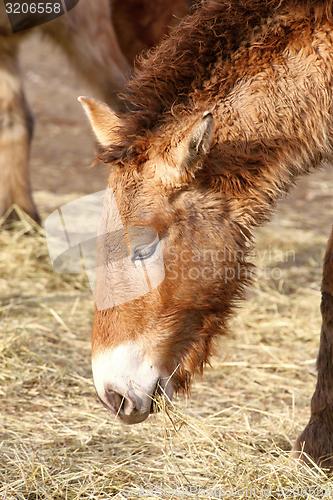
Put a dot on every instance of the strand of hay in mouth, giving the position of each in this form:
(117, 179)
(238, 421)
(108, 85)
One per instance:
(231, 440)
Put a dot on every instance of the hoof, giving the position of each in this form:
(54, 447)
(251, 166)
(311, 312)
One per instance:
(315, 444)
(14, 214)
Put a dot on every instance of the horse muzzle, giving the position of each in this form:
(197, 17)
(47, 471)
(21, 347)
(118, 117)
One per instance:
(127, 382)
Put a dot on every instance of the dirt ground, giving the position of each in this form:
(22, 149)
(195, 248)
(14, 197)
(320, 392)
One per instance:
(232, 439)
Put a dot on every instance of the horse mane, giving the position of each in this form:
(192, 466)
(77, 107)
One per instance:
(171, 74)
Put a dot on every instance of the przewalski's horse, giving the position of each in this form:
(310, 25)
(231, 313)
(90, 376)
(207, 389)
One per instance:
(101, 39)
(225, 114)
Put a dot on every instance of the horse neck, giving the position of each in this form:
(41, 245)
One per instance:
(275, 123)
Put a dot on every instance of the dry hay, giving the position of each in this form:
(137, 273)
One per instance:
(231, 440)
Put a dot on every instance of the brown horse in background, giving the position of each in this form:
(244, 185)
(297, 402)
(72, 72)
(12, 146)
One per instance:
(102, 39)
(224, 116)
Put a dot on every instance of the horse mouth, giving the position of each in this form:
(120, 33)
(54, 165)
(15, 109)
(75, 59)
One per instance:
(159, 398)
(154, 406)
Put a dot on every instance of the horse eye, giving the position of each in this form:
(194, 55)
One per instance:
(145, 252)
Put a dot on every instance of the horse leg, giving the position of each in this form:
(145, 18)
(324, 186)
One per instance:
(317, 438)
(15, 135)
(87, 36)
(142, 24)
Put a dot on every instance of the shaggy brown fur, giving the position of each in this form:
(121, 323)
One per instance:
(88, 37)
(264, 70)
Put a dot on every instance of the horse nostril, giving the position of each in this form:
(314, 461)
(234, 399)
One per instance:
(119, 405)
(114, 400)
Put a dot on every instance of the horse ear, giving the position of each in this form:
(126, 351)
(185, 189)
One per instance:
(179, 164)
(102, 119)
(198, 141)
